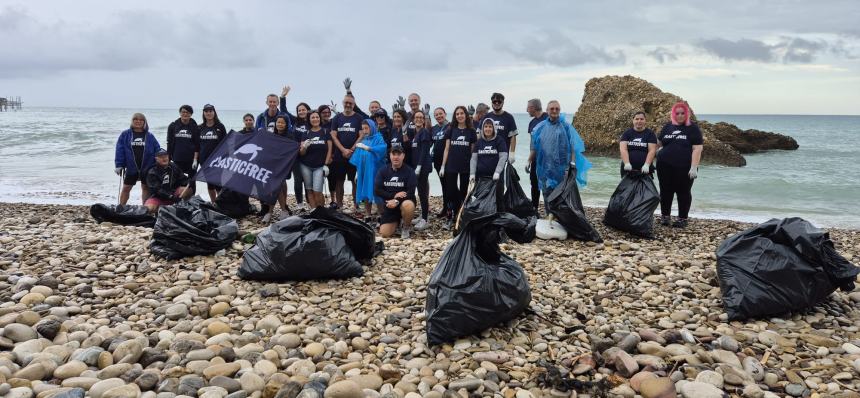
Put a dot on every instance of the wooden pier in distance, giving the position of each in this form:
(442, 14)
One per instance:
(10, 103)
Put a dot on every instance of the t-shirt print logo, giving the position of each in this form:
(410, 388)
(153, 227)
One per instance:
(395, 179)
(137, 142)
(166, 180)
(249, 149)
(461, 138)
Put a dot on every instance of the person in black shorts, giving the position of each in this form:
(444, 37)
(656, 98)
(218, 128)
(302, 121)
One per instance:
(395, 183)
(344, 135)
(135, 154)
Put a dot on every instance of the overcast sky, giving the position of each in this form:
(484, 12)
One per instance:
(790, 57)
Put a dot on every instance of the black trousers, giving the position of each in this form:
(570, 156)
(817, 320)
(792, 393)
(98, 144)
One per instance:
(424, 192)
(298, 183)
(535, 187)
(446, 204)
(674, 181)
(456, 195)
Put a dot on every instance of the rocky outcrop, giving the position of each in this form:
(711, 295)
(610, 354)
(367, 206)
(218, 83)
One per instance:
(607, 110)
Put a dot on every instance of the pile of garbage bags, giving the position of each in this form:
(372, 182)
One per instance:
(475, 286)
(323, 244)
(515, 200)
(131, 215)
(233, 204)
(565, 204)
(631, 207)
(488, 197)
(780, 266)
(191, 228)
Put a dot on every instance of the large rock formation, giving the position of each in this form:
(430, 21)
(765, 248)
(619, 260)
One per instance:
(607, 110)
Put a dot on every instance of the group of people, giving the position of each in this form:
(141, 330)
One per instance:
(389, 158)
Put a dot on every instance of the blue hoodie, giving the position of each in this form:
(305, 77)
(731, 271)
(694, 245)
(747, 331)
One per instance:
(124, 156)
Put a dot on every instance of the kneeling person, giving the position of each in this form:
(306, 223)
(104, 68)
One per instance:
(395, 183)
(166, 181)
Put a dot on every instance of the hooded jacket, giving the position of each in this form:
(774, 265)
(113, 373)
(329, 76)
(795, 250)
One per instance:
(368, 162)
(555, 144)
(487, 150)
(163, 181)
(124, 155)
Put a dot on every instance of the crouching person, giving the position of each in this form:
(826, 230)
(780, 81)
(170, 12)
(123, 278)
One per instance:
(395, 184)
(166, 182)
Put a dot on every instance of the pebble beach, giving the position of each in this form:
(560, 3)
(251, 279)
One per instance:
(86, 311)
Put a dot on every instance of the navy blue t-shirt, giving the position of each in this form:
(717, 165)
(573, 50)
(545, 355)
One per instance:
(395, 137)
(678, 144)
(536, 120)
(389, 182)
(421, 149)
(347, 128)
(506, 126)
(301, 128)
(488, 154)
(438, 144)
(210, 137)
(459, 151)
(182, 141)
(317, 150)
(637, 145)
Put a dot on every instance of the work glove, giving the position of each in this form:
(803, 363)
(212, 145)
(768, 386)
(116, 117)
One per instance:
(393, 109)
(495, 176)
(347, 84)
(470, 110)
(306, 144)
(646, 168)
(401, 102)
(333, 108)
(194, 165)
(427, 110)
(442, 171)
(362, 146)
(694, 172)
(528, 168)
(628, 167)
(118, 170)
(418, 170)
(572, 164)
(325, 171)
(471, 178)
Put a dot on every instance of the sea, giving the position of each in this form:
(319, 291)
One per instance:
(65, 156)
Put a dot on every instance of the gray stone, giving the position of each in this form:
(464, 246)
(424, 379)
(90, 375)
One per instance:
(19, 332)
(231, 385)
(470, 384)
(795, 390)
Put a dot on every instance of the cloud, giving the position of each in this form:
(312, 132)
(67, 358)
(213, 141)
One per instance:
(129, 40)
(786, 50)
(553, 47)
(663, 55)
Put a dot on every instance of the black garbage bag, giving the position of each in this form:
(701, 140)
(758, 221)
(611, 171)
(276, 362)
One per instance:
(565, 204)
(137, 216)
(780, 266)
(482, 200)
(233, 204)
(475, 286)
(631, 207)
(515, 200)
(191, 228)
(324, 244)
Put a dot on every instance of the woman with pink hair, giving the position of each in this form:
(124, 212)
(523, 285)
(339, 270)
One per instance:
(678, 160)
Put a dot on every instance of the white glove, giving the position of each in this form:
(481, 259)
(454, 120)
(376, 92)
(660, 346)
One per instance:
(694, 172)
(472, 178)
(118, 170)
(511, 158)
(628, 167)
(442, 171)
(529, 168)
(418, 170)
(325, 171)
(572, 164)
(362, 146)
(646, 168)
(194, 165)
(306, 144)
(495, 176)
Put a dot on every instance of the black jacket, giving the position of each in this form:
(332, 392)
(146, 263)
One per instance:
(163, 181)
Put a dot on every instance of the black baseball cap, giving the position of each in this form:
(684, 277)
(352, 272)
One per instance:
(208, 107)
(381, 112)
(161, 152)
(397, 148)
(497, 96)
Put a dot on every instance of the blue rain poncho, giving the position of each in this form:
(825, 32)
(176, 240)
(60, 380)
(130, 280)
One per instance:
(553, 143)
(367, 163)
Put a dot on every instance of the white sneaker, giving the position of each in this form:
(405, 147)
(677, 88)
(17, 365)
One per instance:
(302, 206)
(421, 225)
(404, 233)
(267, 218)
(415, 220)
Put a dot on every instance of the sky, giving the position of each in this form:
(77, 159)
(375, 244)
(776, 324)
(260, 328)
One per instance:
(745, 57)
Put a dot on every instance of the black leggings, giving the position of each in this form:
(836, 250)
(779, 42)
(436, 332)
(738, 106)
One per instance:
(456, 195)
(298, 183)
(674, 181)
(535, 186)
(424, 192)
(446, 204)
